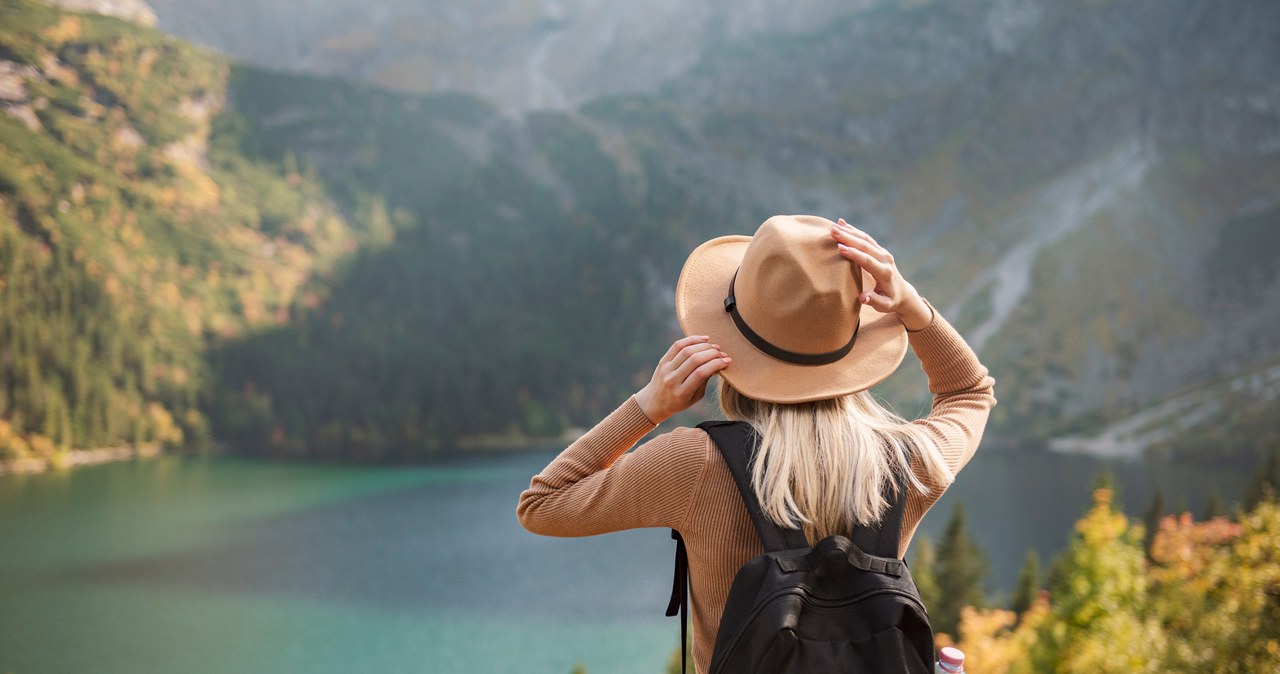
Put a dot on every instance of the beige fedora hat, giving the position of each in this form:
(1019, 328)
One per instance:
(784, 305)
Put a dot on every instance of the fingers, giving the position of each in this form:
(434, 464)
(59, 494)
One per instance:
(681, 377)
(856, 232)
(698, 356)
(864, 243)
(683, 355)
(696, 384)
(681, 344)
(882, 272)
(881, 303)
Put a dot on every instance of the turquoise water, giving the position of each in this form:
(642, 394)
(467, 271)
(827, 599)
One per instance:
(229, 565)
(224, 565)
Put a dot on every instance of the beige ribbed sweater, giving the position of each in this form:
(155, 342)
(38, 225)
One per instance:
(678, 480)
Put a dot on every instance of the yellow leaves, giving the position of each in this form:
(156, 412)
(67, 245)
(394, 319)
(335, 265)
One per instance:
(164, 429)
(999, 642)
(12, 445)
(1103, 525)
(42, 447)
(67, 29)
(146, 60)
(168, 293)
(1216, 587)
(252, 307)
(1208, 602)
(193, 319)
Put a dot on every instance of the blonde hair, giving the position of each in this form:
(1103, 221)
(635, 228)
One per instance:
(825, 465)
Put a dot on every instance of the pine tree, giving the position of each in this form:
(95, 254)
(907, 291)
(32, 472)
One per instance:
(961, 568)
(1214, 507)
(1265, 483)
(1028, 586)
(924, 562)
(1151, 519)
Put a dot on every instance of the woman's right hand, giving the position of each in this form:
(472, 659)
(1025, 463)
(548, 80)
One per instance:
(892, 293)
(680, 380)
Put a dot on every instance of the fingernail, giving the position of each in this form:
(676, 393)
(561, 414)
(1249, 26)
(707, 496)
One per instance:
(841, 246)
(728, 359)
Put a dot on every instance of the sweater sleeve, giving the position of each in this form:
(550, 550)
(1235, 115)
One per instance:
(595, 486)
(962, 391)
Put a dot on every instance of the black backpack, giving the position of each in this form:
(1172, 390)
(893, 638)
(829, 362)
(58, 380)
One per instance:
(843, 605)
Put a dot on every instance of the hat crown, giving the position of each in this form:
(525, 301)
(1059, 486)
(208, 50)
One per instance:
(795, 289)
(791, 324)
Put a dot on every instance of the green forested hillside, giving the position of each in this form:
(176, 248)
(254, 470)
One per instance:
(501, 306)
(127, 241)
(302, 266)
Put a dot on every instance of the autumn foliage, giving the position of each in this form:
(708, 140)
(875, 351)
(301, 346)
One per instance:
(1207, 600)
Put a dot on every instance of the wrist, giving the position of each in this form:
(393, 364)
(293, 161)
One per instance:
(645, 401)
(916, 314)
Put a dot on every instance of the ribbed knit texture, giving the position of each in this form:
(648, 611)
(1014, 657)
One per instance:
(678, 479)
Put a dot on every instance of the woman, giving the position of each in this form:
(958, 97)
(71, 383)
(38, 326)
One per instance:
(798, 321)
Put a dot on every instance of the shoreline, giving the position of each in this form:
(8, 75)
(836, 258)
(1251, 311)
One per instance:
(77, 458)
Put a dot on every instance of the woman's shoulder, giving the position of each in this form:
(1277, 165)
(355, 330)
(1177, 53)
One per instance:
(689, 439)
(688, 447)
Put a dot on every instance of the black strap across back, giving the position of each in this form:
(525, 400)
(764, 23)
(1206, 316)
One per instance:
(738, 443)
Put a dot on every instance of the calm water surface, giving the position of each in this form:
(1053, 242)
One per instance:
(229, 565)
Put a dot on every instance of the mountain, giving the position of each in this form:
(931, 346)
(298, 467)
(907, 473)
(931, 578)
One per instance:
(522, 55)
(129, 240)
(136, 11)
(1087, 189)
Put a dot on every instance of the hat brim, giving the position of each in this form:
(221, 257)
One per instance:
(704, 282)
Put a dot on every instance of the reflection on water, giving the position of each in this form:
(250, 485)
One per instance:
(211, 565)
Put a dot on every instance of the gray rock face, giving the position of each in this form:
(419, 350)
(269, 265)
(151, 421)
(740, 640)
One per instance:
(1088, 188)
(524, 55)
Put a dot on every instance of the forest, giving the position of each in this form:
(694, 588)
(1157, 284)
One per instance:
(201, 253)
(1170, 592)
(172, 276)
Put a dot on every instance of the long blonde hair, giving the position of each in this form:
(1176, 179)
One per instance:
(825, 465)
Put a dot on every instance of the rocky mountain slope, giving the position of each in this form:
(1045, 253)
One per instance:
(1087, 189)
(128, 240)
(522, 55)
(1073, 183)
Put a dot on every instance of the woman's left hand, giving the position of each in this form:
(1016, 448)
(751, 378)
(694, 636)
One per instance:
(680, 380)
(892, 294)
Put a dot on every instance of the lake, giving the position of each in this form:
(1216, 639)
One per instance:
(189, 564)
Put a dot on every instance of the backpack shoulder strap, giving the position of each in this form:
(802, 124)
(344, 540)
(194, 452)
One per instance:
(737, 443)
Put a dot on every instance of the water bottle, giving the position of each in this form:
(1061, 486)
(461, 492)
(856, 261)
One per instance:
(950, 661)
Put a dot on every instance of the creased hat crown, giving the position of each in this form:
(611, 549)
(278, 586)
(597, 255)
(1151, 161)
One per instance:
(784, 305)
(795, 290)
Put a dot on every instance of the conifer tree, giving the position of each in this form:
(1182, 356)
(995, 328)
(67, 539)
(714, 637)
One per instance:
(924, 561)
(1214, 507)
(1151, 520)
(1265, 483)
(961, 568)
(1028, 586)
